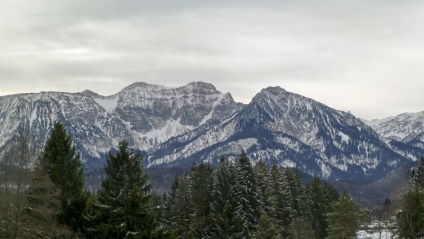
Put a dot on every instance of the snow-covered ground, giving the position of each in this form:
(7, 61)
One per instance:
(383, 234)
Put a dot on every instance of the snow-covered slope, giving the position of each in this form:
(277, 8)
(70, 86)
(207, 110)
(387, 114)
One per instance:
(291, 130)
(407, 128)
(143, 114)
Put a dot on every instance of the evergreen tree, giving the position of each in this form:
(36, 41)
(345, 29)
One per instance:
(264, 186)
(125, 199)
(247, 188)
(321, 196)
(418, 175)
(201, 198)
(345, 218)
(42, 207)
(226, 211)
(282, 197)
(300, 228)
(182, 211)
(65, 170)
(267, 228)
(168, 203)
(301, 207)
(411, 216)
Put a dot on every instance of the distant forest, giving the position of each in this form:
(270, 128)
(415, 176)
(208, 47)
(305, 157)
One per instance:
(42, 195)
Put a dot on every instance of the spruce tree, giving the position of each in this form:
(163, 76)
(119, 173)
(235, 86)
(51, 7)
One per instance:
(228, 220)
(201, 198)
(65, 170)
(247, 188)
(321, 196)
(125, 207)
(267, 228)
(345, 218)
(282, 197)
(182, 210)
(411, 216)
(42, 207)
(262, 175)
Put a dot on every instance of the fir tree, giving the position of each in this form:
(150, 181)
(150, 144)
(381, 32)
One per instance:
(125, 207)
(65, 170)
(345, 218)
(201, 198)
(182, 211)
(321, 196)
(42, 207)
(411, 216)
(227, 216)
(282, 197)
(267, 228)
(264, 186)
(247, 188)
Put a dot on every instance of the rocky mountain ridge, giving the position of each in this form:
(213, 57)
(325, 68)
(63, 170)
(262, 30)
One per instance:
(143, 114)
(193, 123)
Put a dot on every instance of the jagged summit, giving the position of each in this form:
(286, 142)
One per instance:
(407, 128)
(292, 130)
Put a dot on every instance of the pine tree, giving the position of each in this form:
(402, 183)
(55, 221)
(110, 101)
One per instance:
(345, 218)
(411, 217)
(168, 204)
(267, 228)
(321, 196)
(262, 175)
(282, 197)
(301, 207)
(65, 170)
(125, 199)
(42, 207)
(247, 188)
(227, 216)
(418, 176)
(201, 198)
(182, 211)
(300, 228)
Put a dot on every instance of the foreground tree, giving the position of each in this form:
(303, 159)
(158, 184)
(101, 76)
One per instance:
(411, 217)
(345, 219)
(125, 206)
(42, 207)
(15, 166)
(64, 168)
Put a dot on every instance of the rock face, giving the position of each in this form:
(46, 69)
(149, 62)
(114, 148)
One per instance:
(143, 114)
(194, 123)
(407, 128)
(293, 131)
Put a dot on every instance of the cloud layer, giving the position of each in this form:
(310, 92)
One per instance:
(360, 56)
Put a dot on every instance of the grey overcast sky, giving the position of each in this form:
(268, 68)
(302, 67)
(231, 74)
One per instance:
(362, 56)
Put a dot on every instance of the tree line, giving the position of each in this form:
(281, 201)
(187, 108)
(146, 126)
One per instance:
(234, 200)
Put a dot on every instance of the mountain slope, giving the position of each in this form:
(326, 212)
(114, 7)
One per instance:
(407, 128)
(143, 114)
(291, 130)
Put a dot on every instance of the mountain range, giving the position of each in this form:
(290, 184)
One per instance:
(176, 127)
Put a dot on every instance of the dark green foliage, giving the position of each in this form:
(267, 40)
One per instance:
(42, 207)
(267, 228)
(226, 216)
(300, 228)
(182, 225)
(65, 170)
(282, 197)
(264, 186)
(345, 218)
(246, 187)
(201, 197)
(321, 196)
(411, 216)
(124, 208)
